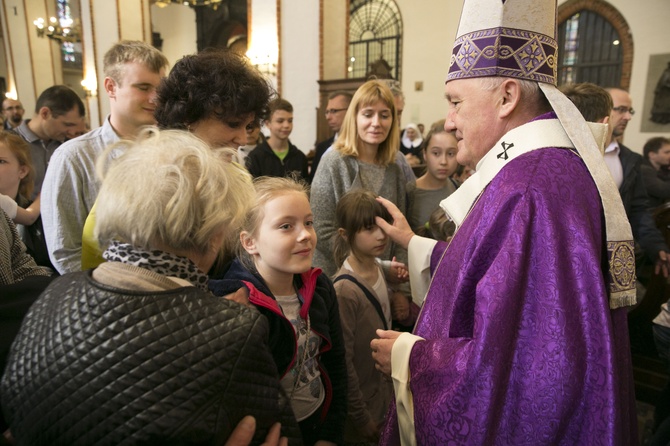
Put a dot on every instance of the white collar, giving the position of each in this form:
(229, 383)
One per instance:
(613, 147)
(523, 139)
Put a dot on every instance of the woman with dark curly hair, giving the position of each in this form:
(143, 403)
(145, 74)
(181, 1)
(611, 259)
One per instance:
(214, 94)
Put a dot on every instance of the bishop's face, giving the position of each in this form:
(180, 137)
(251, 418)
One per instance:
(473, 115)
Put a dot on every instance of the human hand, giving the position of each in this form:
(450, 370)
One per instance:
(399, 231)
(412, 159)
(398, 272)
(370, 431)
(8, 436)
(663, 263)
(382, 348)
(240, 296)
(244, 433)
(399, 306)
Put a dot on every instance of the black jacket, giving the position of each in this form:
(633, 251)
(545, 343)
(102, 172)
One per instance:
(320, 301)
(636, 204)
(94, 364)
(262, 161)
(657, 183)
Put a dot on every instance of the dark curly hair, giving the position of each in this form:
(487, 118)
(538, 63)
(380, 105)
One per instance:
(213, 83)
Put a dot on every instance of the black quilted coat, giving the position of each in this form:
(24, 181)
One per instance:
(93, 364)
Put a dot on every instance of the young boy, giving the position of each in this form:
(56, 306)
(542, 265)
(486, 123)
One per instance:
(277, 157)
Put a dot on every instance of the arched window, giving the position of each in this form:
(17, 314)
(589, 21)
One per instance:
(375, 30)
(71, 51)
(594, 44)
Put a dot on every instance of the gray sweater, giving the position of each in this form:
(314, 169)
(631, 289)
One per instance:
(337, 175)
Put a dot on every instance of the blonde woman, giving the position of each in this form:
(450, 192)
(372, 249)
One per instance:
(363, 158)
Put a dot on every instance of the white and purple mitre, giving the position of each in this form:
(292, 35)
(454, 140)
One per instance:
(508, 38)
(517, 39)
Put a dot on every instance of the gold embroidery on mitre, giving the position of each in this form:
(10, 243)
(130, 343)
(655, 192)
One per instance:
(468, 55)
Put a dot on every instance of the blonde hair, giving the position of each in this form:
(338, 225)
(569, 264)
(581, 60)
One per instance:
(21, 150)
(169, 187)
(367, 94)
(127, 51)
(267, 189)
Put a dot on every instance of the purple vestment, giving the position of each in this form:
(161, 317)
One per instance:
(521, 346)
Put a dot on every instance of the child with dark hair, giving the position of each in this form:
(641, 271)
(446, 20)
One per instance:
(364, 299)
(277, 157)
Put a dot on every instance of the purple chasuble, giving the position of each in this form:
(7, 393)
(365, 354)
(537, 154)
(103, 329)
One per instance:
(521, 345)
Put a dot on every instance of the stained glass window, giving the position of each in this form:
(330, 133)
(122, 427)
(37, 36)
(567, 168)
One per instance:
(71, 51)
(589, 50)
(375, 33)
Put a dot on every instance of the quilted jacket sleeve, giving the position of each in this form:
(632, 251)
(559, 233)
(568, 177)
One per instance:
(255, 383)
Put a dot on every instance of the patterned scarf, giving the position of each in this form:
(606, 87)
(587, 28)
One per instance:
(159, 262)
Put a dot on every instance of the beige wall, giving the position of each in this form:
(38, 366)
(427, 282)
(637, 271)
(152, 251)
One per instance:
(428, 35)
(299, 52)
(33, 63)
(176, 24)
(334, 35)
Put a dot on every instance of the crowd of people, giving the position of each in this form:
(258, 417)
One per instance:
(184, 274)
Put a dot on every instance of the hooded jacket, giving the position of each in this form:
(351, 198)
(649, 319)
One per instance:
(320, 302)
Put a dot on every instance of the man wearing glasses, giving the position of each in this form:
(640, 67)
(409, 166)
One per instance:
(338, 103)
(625, 166)
(12, 111)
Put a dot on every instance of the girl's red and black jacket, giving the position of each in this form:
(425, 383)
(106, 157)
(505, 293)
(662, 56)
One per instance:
(318, 299)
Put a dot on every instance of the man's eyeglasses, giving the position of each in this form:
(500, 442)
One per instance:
(623, 110)
(332, 111)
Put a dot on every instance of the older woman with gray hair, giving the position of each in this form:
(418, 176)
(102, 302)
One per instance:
(137, 350)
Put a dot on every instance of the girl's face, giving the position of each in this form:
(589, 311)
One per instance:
(373, 123)
(11, 172)
(285, 240)
(440, 156)
(369, 242)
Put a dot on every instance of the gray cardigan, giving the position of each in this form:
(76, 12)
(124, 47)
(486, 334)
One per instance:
(337, 175)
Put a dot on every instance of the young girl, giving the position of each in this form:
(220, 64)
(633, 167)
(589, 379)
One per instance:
(439, 152)
(16, 186)
(16, 179)
(275, 265)
(364, 299)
